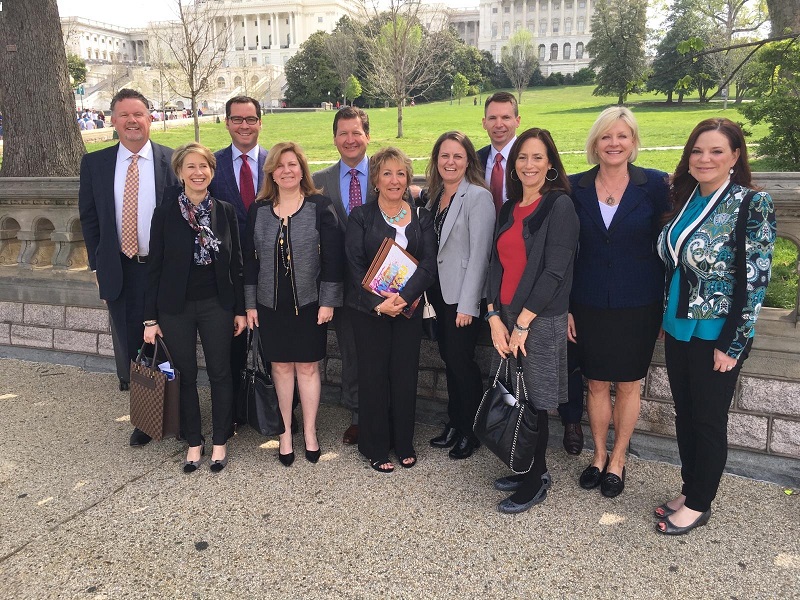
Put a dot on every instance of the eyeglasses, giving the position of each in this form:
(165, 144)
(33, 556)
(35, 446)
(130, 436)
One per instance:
(240, 120)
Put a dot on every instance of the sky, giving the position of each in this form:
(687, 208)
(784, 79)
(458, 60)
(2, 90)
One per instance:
(121, 13)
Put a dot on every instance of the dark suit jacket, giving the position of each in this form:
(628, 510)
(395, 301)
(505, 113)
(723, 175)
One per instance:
(97, 212)
(328, 181)
(483, 156)
(618, 267)
(172, 253)
(366, 231)
(224, 187)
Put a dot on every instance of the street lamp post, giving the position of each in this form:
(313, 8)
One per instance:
(451, 95)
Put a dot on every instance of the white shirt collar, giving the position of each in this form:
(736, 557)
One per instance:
(505, 151)
(145, 153)
(252, 154)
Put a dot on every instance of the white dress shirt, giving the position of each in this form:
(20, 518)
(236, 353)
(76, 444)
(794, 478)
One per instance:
(147, 192)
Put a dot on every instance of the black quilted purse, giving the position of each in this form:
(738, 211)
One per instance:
(507, 423)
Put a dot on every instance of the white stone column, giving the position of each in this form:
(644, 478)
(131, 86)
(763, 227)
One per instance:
(246, 33)
(275, 41)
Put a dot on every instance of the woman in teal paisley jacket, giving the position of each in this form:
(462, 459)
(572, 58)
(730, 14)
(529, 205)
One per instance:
(717, 247)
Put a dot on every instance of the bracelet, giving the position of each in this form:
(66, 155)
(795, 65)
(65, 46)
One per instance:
(152, 323)
(378, 310)
(518, 327)
(490, 314)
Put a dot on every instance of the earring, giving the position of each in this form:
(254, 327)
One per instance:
(554, 177)
(730, 171)
(514, 172)
(376, 189)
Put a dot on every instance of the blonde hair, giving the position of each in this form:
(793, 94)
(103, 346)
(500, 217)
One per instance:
(181, 152)
(381, 157)
(606, 121)
(269, 189)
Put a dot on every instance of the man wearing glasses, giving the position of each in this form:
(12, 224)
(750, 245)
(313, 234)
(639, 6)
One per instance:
(239, 175)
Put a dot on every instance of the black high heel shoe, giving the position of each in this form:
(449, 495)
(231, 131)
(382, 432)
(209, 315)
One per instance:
(286, 459)
(312, 456)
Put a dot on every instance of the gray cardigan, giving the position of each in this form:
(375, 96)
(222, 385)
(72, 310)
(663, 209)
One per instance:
(551, 241)
(315, 249)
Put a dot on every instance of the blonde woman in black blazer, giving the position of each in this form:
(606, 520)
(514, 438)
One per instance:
(463, 220)
(195, 286)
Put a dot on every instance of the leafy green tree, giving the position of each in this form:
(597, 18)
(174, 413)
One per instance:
(776, 103)
(619, 29)
(352, 88)
(77, 69)
(460, 86)
(310, 74)
(519, 61)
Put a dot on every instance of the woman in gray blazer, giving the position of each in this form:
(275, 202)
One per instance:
(464, 218)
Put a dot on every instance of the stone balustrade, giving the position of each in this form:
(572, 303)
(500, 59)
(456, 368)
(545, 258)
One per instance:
(49, 302)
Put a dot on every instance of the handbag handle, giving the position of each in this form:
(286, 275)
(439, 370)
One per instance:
(159, 342)
(254, 350)
(503, 362)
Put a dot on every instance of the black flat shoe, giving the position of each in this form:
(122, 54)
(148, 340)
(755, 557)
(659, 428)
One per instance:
(139, 438)
(671, 529)
(509, 507)
(286, 459)
(124, 386)
(591, 476)
(513, 482)
(312, 456)
(612, 485)
(464, 447)
(447, 438)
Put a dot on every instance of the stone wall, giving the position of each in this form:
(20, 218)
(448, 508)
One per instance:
(49, 303)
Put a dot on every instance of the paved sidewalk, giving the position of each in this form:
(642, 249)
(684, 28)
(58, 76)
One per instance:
(86, 516)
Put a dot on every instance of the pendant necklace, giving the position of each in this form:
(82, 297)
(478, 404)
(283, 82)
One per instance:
(610, 200)
(396, 218)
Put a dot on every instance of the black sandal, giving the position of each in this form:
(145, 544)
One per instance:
(377, 465)
(671, 529)
(412, 458)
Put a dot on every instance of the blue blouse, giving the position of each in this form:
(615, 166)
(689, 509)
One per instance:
(685, 329)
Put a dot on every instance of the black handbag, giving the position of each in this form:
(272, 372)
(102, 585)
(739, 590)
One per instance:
(257, 392)
(507, 423)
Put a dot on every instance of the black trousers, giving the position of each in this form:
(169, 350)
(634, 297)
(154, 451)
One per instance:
(702, 399)
(388, 369)
(572, 410)
(127, 314)
(214, 324)
(345, 337)
(457, 348)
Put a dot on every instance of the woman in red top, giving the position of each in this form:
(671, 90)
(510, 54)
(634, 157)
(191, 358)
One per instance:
(530, 277)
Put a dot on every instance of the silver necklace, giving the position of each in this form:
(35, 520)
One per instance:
(610, 200)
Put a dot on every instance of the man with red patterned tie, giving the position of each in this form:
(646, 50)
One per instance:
(239, 175)
(347, 184)
(500, 120)
(120, 187)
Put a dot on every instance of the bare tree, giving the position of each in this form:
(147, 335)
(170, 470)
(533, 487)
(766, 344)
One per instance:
(404, 60)
(519, 61)
(341, 45)
(40, 135)
(198, 41)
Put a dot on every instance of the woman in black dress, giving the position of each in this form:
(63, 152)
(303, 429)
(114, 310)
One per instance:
(293, 266)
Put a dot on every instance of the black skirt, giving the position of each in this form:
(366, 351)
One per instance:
(616, 344)
(290, 337)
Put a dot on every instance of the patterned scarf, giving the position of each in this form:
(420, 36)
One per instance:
(199, 219)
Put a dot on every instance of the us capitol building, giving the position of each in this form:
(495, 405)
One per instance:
(264, 34)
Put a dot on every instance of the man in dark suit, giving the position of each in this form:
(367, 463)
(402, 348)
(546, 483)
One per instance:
(119, 189)
(347, 184)
(500, 120)
(239, 175)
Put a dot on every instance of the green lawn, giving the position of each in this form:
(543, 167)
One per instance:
(568, 112)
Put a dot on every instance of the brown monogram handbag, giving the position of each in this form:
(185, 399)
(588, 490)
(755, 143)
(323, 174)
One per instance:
(155, 399)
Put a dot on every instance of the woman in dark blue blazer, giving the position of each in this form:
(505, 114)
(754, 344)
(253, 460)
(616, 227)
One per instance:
(615, 305)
